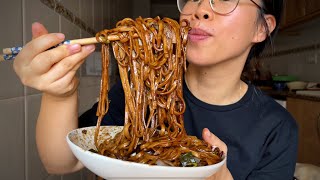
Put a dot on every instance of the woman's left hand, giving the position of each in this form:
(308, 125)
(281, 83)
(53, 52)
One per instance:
(223, 173)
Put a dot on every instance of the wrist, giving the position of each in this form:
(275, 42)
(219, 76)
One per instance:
(60, 98)
(57, 106)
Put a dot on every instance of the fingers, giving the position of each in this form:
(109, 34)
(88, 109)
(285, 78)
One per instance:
(51, 70)
(27, 52)
(65, 86)
(213, 140)
(67, 65)
(43, 62)
(38, 30)
(39, 45)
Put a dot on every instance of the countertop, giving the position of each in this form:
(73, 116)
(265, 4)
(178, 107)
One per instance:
(284, 94)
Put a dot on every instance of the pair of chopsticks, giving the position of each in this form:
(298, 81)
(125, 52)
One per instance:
(11, 53)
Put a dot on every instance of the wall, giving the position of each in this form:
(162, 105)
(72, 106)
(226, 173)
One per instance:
(165, 9)
(297, 52)
(141, 8)
(19, 105)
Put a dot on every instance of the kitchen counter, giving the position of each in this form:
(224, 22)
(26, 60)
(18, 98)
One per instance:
(282, 95)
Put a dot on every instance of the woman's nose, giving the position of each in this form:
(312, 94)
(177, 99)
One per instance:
(203, 10)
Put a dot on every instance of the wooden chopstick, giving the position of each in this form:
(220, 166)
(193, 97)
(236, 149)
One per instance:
(85, 41)
(11, 53)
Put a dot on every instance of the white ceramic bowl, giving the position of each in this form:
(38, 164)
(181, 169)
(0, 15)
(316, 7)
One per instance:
(81, 140)
(295, 85)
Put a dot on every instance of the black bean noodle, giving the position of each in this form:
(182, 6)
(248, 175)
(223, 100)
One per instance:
(151, 57)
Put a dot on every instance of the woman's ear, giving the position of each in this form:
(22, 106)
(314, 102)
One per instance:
(262, 33)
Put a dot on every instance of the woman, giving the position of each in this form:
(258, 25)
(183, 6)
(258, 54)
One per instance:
(260, 135)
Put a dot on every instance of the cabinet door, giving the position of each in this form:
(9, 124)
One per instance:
(307, 114)
(312, 6)
(295, 10)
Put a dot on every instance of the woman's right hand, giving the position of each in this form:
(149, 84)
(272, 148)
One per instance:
(50, 71)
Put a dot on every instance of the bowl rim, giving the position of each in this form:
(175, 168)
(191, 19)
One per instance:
(118, 161)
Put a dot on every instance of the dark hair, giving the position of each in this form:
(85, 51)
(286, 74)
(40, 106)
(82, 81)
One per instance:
(272, 7)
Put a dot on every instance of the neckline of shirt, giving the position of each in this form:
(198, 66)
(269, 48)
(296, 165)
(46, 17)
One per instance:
(244, 99)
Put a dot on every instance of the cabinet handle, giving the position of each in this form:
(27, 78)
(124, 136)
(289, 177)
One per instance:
(318, 126)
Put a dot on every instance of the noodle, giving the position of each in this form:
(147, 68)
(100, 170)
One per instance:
(151, 56)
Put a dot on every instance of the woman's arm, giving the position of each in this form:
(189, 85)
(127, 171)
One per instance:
(57, 117)
(53, 72)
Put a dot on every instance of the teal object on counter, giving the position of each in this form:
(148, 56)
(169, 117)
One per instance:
(284, 78)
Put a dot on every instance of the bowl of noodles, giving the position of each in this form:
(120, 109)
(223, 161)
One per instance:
(152, 143)
(81, 142)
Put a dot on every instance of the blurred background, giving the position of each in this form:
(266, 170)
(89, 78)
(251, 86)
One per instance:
(294, 58)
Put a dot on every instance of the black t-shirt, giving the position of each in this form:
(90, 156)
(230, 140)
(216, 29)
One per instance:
(261, 135)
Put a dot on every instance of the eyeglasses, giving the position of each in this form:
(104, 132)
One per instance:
(188, 7)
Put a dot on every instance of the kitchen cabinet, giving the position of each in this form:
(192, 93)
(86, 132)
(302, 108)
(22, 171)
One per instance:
(299, 11)
(312, 6)
(294, 10)
(307, 114)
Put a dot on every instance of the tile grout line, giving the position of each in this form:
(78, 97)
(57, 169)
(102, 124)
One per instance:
(66, 13)
(60, 30)
(24, 39)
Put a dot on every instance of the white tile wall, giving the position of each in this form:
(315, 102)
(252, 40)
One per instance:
(85, 34)
(72, 5)
(19, 108)
(86, 9)
(71, 31)
(295, 63)
(10, 84)
(11, 36)
(98, 15)
(35, 170)
(12, 151)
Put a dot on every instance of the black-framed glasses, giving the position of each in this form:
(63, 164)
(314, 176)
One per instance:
(188, 7)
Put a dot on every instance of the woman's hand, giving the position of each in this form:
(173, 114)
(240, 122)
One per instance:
(223, 173)
(51, 71)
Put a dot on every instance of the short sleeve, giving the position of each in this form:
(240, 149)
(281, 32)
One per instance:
(280, 153)
(115, 114)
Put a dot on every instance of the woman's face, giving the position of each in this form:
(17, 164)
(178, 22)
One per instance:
(217, 38)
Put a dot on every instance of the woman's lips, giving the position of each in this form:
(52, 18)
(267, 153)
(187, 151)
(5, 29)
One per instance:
(196, 34)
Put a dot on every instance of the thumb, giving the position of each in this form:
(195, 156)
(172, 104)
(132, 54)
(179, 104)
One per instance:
(38, 30)
(213, 140)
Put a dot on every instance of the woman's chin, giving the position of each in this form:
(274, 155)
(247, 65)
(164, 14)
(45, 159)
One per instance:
(202, 62)
(198, 60)
(198, 63)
